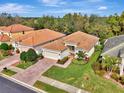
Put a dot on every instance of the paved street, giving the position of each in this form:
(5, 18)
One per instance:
(8, 61)
(31, 74)
(7, 86)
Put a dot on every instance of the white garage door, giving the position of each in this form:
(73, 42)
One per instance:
(51, 54)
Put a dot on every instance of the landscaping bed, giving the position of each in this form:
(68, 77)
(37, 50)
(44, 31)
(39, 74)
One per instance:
(79, 62)
(48, 88)
(8, 72)
(84, 77)
(25, 65)
(63, 61)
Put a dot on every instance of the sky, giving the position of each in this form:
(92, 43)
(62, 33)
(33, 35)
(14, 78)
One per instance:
(36, 8)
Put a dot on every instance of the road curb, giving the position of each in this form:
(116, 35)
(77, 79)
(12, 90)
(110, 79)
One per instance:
(23, 84)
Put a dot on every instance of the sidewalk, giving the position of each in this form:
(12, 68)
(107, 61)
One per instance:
(8, 61)
(60, 85)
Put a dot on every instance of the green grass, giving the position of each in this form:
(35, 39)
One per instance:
(83, 76)
(48, 88)
(8, 72)
(25, 65)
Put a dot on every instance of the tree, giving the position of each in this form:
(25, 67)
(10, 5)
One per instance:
(110, 62)
(23, 56)
(4, 46)
(31, 55)
(81, 55)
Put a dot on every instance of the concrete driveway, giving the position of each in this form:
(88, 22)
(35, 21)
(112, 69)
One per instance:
(33, 73)
(8, 61)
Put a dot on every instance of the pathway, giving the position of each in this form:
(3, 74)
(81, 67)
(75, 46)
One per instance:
(8, 61)
(60, 85)
(33, 73)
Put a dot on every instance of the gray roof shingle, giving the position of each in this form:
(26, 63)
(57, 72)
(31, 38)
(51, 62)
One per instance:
(113, 42)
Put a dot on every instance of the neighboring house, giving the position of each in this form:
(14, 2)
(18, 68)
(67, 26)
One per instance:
(115, 47)
(36, 39)
(15, 30)
(71, 44)
(4, 38)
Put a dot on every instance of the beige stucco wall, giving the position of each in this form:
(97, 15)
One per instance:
(90, 52)
(53, 54)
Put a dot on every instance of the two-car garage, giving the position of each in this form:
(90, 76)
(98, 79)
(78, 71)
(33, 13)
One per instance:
(54, 54)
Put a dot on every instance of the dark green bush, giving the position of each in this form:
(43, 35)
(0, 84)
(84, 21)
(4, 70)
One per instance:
(23, 56)
(4, 46)
(115, 76)
(62, 61)
(31, 55)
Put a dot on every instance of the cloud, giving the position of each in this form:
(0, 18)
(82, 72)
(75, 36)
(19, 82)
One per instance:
(102, 8)
(15, 8)
(54, 3)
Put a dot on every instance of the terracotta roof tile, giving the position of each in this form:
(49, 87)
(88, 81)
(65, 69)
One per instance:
(4, 38)
(2, 27)
(17, 28)
(55, 45)
(39, 37)
(81, 39)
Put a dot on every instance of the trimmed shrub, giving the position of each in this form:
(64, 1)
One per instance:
(122, 80)
(10, 47)
(17, 51)
(115, 76)
(5, 53)
(31, 55)
(62, 61)
(4, 46)
(23, 56)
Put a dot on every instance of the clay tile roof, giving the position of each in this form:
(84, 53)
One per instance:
(55, 45)
(2, 27)
(4, 38)
(81, 39)
(39, 37)
(17, 28)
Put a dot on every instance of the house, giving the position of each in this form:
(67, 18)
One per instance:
(4, 38)
(36, 39)
(56, 45)
(114, 46)
(15, 30)
(71, 44)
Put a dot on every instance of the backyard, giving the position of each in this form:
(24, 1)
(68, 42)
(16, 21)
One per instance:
(83, 76)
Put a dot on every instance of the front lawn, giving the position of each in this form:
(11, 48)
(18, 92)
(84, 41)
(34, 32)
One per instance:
(48, 88)
(8, 72)
(25, 65)
(83, 76)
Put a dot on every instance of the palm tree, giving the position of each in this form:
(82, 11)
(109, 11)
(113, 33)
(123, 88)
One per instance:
(110, 62)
